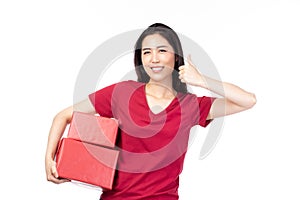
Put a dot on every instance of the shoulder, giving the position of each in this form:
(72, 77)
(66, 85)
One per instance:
(122, 84)
(122, 88)
(187, 96)
(130, 83)
(116, 90)
(193, 98)
(127, 85)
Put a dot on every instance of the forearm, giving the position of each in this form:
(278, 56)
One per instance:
(229, 91)
(235, 99)
(60, 121)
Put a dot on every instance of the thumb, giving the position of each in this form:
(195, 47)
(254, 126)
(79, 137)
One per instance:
(54, 171)
(189, 60)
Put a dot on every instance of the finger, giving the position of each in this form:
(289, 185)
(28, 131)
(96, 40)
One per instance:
(189, 60)
(57, 180)
(62, 180)
(181, 77)
(181, 67)
(182, 80)
(54, 171)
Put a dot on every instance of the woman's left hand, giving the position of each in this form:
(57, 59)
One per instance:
(189, 74)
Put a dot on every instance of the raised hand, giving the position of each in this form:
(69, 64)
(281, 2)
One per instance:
(189, 74)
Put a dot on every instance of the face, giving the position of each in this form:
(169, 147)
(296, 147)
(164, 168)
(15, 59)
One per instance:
(158, 58)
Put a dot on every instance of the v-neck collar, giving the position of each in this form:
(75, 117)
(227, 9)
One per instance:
(165, 110)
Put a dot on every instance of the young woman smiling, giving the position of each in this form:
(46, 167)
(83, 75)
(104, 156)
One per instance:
(155, 115)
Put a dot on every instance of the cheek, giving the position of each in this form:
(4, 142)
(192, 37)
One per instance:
(145, 61)
(170, 59)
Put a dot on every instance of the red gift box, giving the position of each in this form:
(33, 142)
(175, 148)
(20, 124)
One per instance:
(86, 163)
(93, 129)
(86, 154)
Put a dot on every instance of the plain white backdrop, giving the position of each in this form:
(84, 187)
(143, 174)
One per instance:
(254, 44)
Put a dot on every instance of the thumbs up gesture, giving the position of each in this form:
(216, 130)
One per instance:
(189, 74)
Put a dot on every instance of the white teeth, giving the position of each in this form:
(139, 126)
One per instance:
(156, 69)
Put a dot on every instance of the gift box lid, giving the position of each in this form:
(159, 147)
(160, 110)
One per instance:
(87, 163)
(93, 129)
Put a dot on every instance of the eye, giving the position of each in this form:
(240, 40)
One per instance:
(146, 52)
(162, 50)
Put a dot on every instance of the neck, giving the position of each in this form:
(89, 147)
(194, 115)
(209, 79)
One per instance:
(159, 89)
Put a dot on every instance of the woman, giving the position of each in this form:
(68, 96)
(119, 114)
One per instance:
(155, 114)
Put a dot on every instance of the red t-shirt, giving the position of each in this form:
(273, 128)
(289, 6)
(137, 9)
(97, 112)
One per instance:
(152, 146)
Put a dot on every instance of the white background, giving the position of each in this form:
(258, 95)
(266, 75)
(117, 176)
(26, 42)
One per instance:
(254, 44)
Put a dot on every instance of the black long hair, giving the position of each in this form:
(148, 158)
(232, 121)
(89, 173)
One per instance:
(171, 36)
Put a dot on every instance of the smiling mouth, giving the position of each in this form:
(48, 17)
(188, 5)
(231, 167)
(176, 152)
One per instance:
(157, 68)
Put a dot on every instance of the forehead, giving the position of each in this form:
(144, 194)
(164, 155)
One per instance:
(154, 41)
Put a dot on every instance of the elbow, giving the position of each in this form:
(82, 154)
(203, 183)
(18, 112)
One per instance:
(64, 116)
(251, 101)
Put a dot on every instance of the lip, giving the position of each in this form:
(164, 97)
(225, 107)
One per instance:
(156, 68)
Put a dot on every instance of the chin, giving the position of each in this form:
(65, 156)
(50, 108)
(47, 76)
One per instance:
(159, 78)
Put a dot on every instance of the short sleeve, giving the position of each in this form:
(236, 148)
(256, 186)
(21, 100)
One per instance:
(102, 101)
(204, 108)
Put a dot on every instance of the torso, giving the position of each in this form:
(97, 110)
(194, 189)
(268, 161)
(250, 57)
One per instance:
(158, 103)
(152, 142)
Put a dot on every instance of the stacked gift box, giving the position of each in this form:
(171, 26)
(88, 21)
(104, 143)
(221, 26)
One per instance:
(87, 154)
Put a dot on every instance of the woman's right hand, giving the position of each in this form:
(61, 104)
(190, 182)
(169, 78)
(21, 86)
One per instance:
(51, 172)
(59, 124)
(60, 121)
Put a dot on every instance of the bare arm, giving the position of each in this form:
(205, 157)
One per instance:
(60, 121)
(234, 98)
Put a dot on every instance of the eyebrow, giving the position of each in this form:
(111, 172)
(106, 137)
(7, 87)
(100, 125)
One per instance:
(161, 46)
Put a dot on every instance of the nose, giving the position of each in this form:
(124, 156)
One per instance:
(154, 58)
